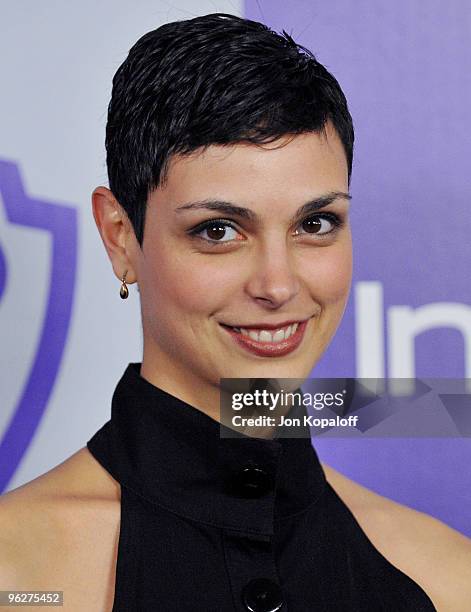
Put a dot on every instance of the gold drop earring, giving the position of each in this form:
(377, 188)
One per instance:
(124, 291)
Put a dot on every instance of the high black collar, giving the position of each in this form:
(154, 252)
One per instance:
(173, 455)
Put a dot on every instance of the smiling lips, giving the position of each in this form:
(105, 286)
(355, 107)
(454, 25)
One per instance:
(269, 342)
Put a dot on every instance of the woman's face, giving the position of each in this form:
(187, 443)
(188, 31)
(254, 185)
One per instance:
(270, 265)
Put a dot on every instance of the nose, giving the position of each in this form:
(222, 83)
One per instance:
(273, 281)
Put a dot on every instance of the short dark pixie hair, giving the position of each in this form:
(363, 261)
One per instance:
(215, 79)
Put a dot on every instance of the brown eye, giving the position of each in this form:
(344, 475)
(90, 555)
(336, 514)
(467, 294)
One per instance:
(311, 225)
(216, 231)
(319, 224)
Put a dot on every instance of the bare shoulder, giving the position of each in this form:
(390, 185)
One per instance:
(59, 525)
(433, 554)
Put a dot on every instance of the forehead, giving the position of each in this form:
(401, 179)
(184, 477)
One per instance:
(293, 168)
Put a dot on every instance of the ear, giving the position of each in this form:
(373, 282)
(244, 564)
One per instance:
(116, 232)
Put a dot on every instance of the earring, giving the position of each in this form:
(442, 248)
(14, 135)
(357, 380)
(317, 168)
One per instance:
(124, 292)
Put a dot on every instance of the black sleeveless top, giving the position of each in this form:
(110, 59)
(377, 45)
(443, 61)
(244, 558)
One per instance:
(214, 524)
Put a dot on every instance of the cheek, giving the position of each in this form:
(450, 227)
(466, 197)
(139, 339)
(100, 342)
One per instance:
(329, 276)
(193, 284)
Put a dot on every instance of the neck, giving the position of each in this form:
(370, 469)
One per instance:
(181, 382)
(208, 397)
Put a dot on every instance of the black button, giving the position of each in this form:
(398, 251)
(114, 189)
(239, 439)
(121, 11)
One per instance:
(262, 595)
(251, 482)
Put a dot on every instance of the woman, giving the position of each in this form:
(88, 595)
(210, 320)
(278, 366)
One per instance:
(229, 153)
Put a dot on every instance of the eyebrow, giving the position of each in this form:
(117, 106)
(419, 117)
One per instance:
(246, 213)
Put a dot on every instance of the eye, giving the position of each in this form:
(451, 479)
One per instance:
(319, 225)
(222, 231)
(216, 231)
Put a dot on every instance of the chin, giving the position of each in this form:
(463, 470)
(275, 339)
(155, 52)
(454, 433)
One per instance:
(270, 369)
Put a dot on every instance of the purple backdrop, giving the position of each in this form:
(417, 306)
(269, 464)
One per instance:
(404, 67)
(60, 221)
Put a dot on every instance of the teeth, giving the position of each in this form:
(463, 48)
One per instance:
(279, 335)
(263, 335)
